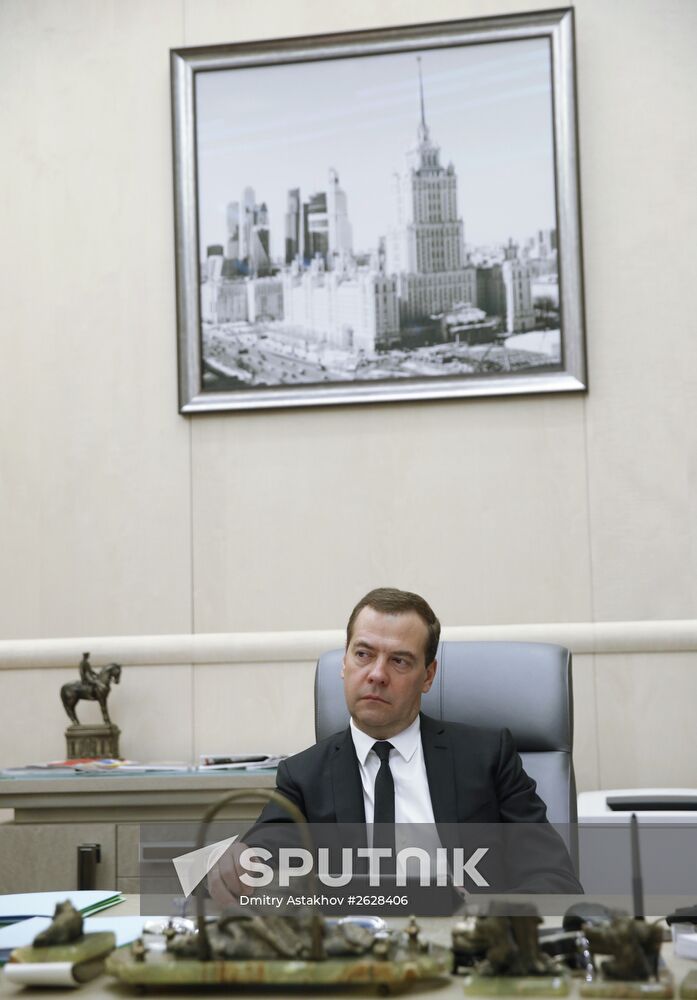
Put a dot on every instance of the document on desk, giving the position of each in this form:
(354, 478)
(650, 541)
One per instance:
(238, 762)
(685, 945)
(18, 906)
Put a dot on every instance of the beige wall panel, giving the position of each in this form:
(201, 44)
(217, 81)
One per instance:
(154, 713)
(211, 21)
(95, 526)
(255, 707)
(646, 719)
(32, 718)
(586, 765)
(297, 515)
(640, 210)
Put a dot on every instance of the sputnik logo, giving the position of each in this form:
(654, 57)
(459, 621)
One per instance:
(191, 868)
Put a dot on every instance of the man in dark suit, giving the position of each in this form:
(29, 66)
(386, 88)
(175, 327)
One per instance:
(396, 765)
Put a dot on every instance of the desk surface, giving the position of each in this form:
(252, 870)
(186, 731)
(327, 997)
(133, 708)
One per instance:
(435, 928)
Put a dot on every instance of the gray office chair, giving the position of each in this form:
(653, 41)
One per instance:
(524, 686)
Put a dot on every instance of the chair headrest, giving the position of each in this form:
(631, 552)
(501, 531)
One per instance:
(524, 686)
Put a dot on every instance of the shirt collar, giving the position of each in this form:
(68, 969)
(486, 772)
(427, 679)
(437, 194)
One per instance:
(405, 743)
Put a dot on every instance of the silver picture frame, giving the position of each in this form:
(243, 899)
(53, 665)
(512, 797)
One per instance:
(422, 345)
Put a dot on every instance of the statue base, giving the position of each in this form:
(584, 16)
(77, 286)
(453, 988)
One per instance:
(145, 969)
(93, 741)
(84, 959)
(688, 990)
(517, 986)
(661, 988)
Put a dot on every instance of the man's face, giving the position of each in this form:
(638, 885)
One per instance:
(384, 671)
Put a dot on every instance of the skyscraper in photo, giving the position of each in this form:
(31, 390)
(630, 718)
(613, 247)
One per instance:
(504, 289)
(326, 230)
(232, 219)
(520, 313)
(315, 227)
(426, 246)
(253, 233)
(294, 226)
(338, 226)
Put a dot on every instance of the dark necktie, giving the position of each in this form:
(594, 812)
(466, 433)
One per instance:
(384, 803)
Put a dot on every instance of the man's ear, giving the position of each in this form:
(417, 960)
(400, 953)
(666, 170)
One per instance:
(430, 674)
(343, 666)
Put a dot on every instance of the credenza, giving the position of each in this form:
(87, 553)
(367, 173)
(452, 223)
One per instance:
(83, 830)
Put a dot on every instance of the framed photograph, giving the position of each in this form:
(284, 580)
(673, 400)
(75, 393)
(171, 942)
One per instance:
(379, 216)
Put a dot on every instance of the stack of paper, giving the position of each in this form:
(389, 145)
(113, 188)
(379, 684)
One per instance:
(239, 761)
(89, 765)
(685, 945)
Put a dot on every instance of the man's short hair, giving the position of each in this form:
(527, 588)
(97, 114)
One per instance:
(390, 601)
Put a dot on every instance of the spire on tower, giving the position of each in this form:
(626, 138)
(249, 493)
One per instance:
(423, 127)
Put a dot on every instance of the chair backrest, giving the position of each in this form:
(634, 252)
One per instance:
(524, 686)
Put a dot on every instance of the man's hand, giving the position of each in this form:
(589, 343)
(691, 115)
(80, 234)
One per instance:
(224, 882)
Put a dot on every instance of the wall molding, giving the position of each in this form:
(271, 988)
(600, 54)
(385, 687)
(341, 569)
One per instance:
(282, 647)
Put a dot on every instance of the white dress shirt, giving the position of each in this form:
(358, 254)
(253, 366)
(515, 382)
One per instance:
(413, 810)
(412, 798)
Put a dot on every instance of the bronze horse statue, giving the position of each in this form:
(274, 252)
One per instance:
(92, 686)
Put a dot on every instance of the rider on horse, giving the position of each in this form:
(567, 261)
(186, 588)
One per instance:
(88, 676)
(93, 686)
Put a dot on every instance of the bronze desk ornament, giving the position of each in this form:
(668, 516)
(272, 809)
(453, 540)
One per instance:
(634, 968)
(503, 947)
(65, 927)
(64, 943)
(100, 740)
(304, 949)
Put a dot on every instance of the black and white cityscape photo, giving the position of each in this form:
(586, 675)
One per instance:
(378, 218)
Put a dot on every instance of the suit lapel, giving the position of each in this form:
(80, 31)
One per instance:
(346, 781)
(440, 770)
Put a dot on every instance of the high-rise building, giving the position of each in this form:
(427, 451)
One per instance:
(491, 291)
(326, 230)
(339, 233)
(253, 234)
(504, 289)
(520, 313)
(546, 242)
(232, 219)
(541, 254)
(294, 227)
(210, 283)
(426, 247)
(315, 228)
(259, 243)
